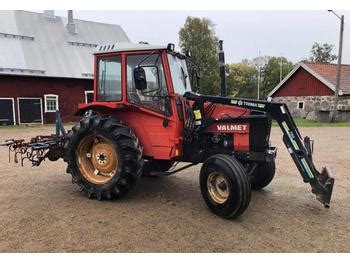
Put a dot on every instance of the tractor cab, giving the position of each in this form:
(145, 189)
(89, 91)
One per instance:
(146, 84)
(139, 75)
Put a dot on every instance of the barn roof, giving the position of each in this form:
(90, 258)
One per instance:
(40, 45)
(326, 73)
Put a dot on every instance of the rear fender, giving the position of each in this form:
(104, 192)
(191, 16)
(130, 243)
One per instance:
(101, 107)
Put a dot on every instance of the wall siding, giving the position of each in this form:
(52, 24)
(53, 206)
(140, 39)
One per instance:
(70, 92)
(302, 83)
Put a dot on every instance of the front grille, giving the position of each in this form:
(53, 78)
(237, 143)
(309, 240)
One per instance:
(259, 134)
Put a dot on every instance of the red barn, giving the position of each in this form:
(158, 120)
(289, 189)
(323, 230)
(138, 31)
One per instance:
(46, 63)
(309, 88)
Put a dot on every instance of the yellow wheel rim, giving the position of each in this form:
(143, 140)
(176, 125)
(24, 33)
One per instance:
(97, 159)
(218, 187)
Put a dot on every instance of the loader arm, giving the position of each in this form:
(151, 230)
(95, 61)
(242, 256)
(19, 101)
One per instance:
(299, 149)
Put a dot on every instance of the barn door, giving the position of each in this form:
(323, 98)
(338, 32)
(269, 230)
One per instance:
(6, 111)
(30, 110)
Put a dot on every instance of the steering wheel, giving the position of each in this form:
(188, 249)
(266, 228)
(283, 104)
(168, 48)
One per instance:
(134, 98)
(158, 95)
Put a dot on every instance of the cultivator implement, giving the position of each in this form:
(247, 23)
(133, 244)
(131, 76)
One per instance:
(38, 148)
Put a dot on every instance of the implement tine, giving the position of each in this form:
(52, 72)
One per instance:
(36, 150)
(8, 142)
(9, 149)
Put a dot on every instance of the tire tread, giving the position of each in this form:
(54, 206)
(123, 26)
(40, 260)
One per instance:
(131, 155)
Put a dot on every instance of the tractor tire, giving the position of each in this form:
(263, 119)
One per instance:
(104, 157)
(225, 186)
(263, 175)
(156, 165)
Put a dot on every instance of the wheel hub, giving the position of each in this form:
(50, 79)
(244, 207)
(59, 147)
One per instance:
(222, 186)
(101, 158)
(217, 187)
(97, 159)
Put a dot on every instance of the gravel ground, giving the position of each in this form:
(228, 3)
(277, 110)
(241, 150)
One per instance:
(42, 211)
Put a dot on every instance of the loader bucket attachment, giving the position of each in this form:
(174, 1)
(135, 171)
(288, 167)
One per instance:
(324, 188)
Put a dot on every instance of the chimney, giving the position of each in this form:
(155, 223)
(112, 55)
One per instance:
(49, 14)
(71, 26)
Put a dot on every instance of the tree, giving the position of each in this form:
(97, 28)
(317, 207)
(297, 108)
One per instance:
(198, 36)
(259, 61)
(322, 53)
(271, 74)
(241, 80)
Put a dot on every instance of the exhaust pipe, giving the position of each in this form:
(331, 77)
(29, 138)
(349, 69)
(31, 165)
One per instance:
(222, 69)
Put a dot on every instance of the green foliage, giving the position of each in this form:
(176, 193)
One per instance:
(242, 79)
(322, 53)
(198, 37)
(271, 74)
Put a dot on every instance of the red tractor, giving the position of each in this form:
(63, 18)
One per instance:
(144, 118)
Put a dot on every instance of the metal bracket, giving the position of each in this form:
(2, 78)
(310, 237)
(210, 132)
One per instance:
(155, 173)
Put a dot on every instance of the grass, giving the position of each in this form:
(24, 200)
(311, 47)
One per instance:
(312, 123)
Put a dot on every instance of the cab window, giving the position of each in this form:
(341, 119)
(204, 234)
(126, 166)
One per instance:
(109, 87)
(179, 74)
(155, 97)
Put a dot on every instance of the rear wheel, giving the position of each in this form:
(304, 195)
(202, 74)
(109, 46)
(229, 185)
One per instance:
(263, 174)
(225, 186)
(103, 156)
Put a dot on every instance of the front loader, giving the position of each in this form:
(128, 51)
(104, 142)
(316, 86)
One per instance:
(144, 119)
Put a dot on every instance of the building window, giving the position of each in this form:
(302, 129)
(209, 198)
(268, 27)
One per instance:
(89, 96)
(51, 103)
(301, 104)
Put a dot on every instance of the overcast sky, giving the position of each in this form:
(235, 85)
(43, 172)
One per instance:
(244, 32)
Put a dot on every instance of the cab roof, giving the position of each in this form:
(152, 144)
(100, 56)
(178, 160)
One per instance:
(126, 46)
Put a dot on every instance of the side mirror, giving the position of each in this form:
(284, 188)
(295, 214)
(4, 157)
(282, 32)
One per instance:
(140, 78)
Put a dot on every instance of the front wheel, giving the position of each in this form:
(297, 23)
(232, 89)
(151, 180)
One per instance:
(263, 174)
(225, 186)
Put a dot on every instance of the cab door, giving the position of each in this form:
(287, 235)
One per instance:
(152, 117)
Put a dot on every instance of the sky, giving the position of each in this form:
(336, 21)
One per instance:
(290, 33)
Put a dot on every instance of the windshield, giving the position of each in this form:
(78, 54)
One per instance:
(179, 74)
